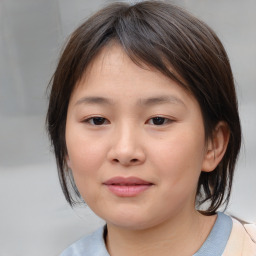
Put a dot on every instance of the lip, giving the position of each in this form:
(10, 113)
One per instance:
(127, 187)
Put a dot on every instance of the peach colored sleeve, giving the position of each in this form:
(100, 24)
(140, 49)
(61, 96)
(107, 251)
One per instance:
(242, 240)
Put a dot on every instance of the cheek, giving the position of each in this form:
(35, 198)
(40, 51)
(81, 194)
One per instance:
(81, 156)
(84, 161)
(182, 149)
(83, 149)
(180, 159)
(85, 158)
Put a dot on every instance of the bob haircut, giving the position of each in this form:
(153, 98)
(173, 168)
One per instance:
(167, 38)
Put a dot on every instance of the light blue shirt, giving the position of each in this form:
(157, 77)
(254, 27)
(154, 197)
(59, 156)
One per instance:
(216, 242)
(94, 244)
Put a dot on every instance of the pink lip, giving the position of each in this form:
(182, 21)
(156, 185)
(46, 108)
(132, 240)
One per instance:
(127, 187)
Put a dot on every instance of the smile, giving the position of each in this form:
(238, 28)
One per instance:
(127, 187)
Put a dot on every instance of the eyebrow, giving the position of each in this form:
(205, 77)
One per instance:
(161, 100)
(94, 100)
(147, 101)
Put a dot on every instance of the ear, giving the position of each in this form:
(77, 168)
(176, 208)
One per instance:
(216, 147)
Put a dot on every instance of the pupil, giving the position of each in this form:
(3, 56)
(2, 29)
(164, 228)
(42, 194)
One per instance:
(98, 120)
(158, 120)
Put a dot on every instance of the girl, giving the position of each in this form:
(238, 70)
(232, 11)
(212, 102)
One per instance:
(144, 122)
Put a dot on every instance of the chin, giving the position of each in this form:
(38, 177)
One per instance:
(131, 222)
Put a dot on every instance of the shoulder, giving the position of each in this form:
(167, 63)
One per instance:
(242, 240)
(91, 245)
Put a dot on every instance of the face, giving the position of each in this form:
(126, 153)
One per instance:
(135, 142)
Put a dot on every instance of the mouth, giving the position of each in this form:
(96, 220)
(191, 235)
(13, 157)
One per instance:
(127, 187)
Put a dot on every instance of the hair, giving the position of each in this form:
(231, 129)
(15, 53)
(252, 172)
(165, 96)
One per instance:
(169, 39)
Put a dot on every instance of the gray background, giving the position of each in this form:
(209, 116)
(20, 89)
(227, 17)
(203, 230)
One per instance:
(34, 217)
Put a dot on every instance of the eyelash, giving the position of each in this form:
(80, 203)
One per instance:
(163, 120)
(94, 118)
(103, 121)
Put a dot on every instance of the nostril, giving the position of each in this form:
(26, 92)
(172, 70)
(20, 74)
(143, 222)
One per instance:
(134, 160)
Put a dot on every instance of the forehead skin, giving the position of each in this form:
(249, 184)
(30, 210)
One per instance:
(105, 65)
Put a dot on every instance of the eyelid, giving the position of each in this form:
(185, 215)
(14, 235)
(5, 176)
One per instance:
(90, 118)
(168, 120)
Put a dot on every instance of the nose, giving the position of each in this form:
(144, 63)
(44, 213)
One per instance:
(127, 146)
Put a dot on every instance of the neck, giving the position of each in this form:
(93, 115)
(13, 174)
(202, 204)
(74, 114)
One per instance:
(169, 236)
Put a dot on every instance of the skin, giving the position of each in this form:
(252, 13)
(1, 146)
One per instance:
(128, 141)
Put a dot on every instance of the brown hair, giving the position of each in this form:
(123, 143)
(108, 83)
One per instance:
(160, 35)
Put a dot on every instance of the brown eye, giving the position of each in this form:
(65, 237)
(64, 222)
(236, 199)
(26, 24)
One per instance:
(158, 120)
(96, 120)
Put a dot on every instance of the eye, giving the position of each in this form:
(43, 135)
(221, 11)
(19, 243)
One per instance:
(158, 120)
(96, 120)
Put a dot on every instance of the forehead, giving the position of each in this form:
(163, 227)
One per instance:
(113, 61)
(112, 72)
